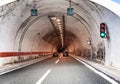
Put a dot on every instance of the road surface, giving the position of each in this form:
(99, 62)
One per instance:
(64, 70)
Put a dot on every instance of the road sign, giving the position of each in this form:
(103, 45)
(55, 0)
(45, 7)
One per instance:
(34, 12)
(70, 11)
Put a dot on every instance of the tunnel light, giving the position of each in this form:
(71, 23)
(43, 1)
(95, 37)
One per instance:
(60, 28)
(54, 18)
(58, 20)
(61, 33)
(88, 42)
(58, 23)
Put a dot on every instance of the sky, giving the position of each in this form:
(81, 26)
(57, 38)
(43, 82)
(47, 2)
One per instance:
(118, 1)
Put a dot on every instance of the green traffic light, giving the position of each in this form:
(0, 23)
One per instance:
(102, 34)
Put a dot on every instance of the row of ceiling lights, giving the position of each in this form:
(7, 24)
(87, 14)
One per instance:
(60, 28)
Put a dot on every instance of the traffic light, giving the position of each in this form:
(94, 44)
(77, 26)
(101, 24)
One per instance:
(34, 12)
(70, 11)
(102, 30)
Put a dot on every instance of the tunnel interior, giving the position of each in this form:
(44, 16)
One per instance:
(76, 31)
(52, 30)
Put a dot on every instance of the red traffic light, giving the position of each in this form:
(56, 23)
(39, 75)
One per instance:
(102, 27)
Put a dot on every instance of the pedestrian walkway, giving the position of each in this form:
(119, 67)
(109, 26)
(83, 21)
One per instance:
(110, 71)
(11, 67)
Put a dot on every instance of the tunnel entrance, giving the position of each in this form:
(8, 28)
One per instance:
(55, 31)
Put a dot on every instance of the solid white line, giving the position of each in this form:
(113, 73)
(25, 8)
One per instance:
(99, 73)
(57, 61)
(43, 77)
(22, 65)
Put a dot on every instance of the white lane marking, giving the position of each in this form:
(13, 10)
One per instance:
(99, 73)
(43, 77)
(23, 65)
(57, 61)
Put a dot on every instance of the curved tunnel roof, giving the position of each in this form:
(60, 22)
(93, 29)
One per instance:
(85, 14)
(79, 24)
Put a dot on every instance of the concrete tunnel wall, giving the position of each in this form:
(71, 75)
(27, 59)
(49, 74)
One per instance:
(10, 39)
(84, 24)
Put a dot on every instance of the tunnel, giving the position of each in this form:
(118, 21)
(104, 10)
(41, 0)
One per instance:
(23, 36)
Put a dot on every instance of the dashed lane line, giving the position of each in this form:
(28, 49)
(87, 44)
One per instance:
(43, 77)
(57, 61)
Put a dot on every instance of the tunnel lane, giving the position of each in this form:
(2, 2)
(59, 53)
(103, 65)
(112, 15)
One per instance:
(63, 70)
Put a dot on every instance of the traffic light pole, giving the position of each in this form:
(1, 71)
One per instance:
(70, 3)
(91, 53)
(91, 49)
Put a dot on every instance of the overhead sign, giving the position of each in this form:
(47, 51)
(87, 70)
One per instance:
(70, 11)
(34, 12)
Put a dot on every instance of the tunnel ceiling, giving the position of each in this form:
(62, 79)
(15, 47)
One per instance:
(84, 24)
(78, 24)
(21, 32)
(53, 38)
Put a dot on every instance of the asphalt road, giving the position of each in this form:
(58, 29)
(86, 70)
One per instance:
(65, 70)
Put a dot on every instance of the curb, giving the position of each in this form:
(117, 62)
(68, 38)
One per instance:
(22, 65)
(97, 69)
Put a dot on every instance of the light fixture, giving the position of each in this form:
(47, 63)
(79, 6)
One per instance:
(88, 42)
(54, 18)
(60, 27)
(59, 23)
(58, 20)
